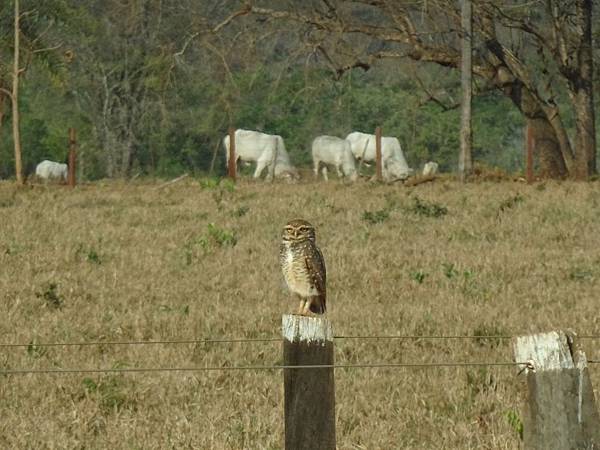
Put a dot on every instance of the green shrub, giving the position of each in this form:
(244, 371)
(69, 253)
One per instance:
(427, 209)
(374, 217)
(51, 296)
(510, 202)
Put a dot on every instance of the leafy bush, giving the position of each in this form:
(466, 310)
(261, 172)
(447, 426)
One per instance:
(36, 351)
(209, 183)
(241, 211)
(111, 393)
(215, 236)
(374, 217)
(418, 276)
(89, 254)
(581, 274)
(51, 296)
(510, 202)
(221, 237)
(427, 209)
(449, 270)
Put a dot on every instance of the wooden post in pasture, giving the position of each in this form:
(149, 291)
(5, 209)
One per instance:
(309, 393)
(72, 157)
(465, 162)
(231, 164)
(378, 167)
(529, 152)
(560, 412)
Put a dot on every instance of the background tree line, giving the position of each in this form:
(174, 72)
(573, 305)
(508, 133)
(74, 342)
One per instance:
(151, 86)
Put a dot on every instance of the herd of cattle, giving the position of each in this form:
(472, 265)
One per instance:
(268, 152)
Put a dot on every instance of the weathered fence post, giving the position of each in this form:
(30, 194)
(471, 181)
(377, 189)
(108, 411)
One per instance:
(378, 167)
(231, 164)
(560, 412)
(72, 157)
(529, 149)
(309, 393)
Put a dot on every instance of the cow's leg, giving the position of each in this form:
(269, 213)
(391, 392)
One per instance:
(316, 168)
(260, 166)
(385, 173)
(339, 172)
(324, 172)
(271, 167)
(270, 171)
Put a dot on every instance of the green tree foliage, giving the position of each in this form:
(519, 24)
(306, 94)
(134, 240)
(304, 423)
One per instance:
(149, 90)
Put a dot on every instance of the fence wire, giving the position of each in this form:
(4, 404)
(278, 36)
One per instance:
(259, 367)
(257, 340)
(58, 371)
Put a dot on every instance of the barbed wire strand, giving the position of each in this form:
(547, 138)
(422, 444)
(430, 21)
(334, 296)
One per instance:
(258, 368)
(250, 340)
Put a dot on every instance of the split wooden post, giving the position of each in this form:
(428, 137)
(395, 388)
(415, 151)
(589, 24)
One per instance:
(560, 412)
(378, 167)
(231, 161)
(72, 157)
(529, 149)
(309, 393)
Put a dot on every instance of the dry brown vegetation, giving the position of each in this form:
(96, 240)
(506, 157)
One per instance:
(130, 262)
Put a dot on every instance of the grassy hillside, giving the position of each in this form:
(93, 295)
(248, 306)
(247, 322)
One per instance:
(118, 262)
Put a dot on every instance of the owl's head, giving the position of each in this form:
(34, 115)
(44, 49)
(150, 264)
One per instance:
(298, 230)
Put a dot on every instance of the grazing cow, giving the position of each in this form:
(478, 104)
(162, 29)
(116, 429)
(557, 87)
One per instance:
(430, 168)
(268, 151)
(47, 170)
(335, 151)
(393, 163)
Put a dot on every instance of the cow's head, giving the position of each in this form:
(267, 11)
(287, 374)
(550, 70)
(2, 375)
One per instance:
(398, 171)
(289, 174)
(352, 176)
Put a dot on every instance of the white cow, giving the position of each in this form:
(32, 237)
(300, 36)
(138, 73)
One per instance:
(430, 168)
(335, 151)
(268, 151)
(393, 167)
(47, 170)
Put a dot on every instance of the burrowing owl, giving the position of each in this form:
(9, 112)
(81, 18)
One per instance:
(303, 266)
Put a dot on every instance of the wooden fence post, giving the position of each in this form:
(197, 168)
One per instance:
(378, 167)
(231, 165)
(529, 150)
(309, 393)
(560, 412)
(72, 157)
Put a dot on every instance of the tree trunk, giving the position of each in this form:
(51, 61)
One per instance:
(127, 158)
(547, 149)
(583, 97)
(2, 98)
(547, 145)
(15, 102)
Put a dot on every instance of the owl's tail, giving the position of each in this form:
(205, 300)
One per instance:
(317, 306)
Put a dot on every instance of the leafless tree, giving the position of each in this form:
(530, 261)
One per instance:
(529, 51)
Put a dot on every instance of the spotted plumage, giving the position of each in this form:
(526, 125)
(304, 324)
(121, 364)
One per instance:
(303, 266)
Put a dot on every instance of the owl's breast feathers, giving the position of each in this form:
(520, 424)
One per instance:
(303, 269)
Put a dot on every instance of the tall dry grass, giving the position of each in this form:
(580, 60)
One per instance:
(111, 261)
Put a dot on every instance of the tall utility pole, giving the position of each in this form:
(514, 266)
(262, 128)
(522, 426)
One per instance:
(466, 134)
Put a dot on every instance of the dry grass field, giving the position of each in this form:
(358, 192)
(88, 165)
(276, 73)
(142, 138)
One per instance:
(121, 262)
